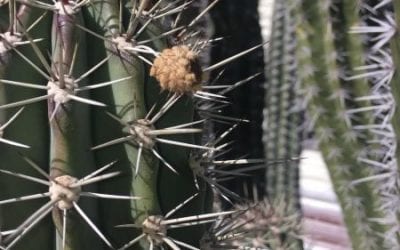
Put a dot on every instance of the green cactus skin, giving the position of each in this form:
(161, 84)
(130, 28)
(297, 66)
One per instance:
(33, 121)
(283, 118)
(72, 126)
(395, 47)
(125, 100)
(359, 199)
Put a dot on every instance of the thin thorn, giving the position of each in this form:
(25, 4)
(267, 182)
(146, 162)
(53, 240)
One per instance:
(27, 177)
(139, 155)
(104, 84)
(25, 198)
(64, 233)
(174, 210)
(92, 69)
(5, 125)
(95, 179)
(35, 166)
(24, 102)
(113, 142)
(13, 143)
(232, 58)
(183, 144)
(24, 84)
(87, 101)
(164, 161)
(99, 171)
(110, 196)
(92, 225)
(132, 242)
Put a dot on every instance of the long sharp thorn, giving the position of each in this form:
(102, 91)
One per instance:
(232, 58)
(25, 102)
(27, 177)
(92, 69)
(41, 212)
(87, 101)
(98, 171)
(186, 124)
(150, 111)
(35, 166)
(192, 223)
(130, 243)
(109, 196)
(208, 8)
(24, 84)
(53, 114)
(72, 67)
(196, 217)
(228, 172)
(36, 22)
(92, 225)
(174, 210)
(38, 53)
(25, 198)
(170, 243)
(29, 227)
(93, 33)
(103, 84)
(174, 131)
(38, 4)
(211, 94)
(168, 104)
(183, 144)
(163, 161)
(64, 232)
(95, 179)
(210, 99)
(238, 84)
(144, 59)
(185, 245)
(113, 142)
(134, 21)
(240, 162)
(13, 143)
(222, 189)
(139, 155)
(151, 244)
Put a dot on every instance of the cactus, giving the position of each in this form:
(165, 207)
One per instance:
(347, 62)
(112, 91)
(282, 123)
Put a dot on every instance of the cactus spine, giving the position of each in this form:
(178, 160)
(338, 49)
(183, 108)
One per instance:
(111, 90)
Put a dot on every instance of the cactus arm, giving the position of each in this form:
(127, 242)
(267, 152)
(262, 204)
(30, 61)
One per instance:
(34, 115)
(70, 134)
(127, 102)
(338, 150)
(351, 55)
(281, 131)
(282, 121)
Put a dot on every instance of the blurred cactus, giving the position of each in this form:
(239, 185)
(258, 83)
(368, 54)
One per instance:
(346, 70)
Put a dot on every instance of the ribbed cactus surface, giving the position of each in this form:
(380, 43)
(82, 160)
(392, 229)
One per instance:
(101, 128)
